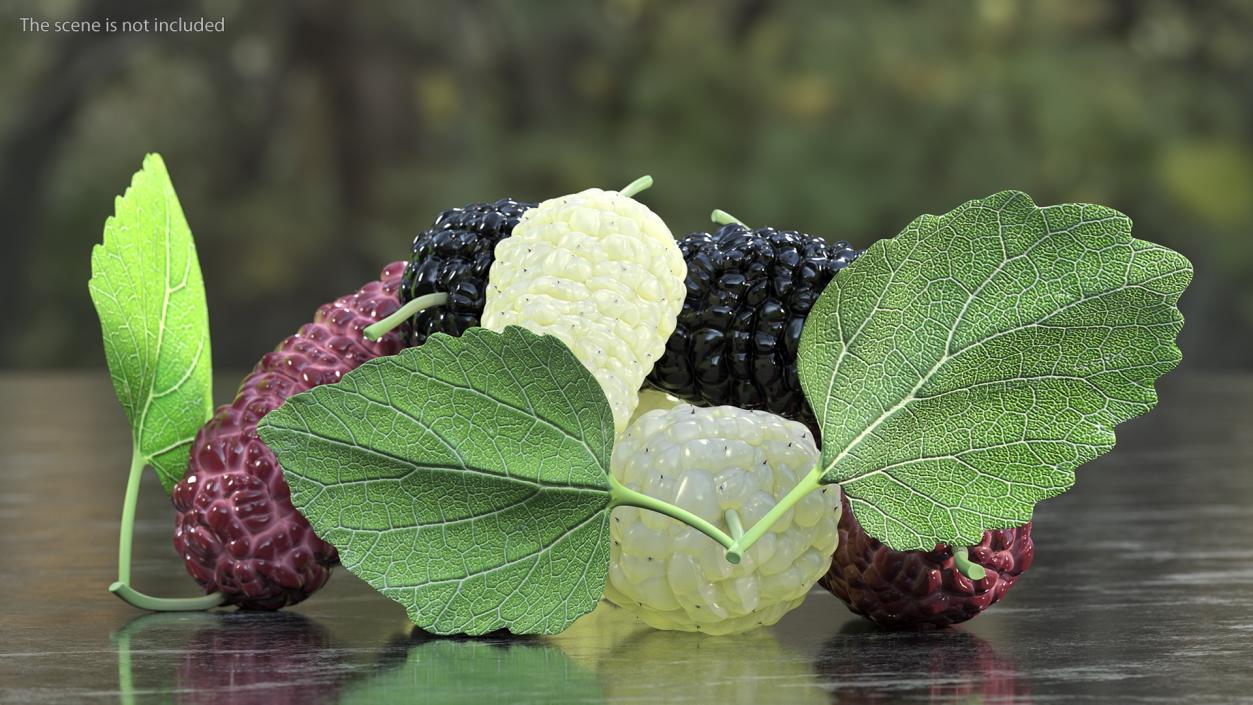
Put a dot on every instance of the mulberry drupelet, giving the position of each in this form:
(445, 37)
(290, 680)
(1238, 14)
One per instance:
(236, 528)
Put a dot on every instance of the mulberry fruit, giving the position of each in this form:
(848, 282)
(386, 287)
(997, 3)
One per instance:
(454, 257)
(236, 528)
(712, 462)
(923, 589)
(748, 292)
(601, 272)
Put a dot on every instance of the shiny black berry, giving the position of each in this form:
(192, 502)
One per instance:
(748, 292)
(454, 257)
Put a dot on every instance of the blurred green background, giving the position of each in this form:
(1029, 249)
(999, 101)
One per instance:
(311, 140)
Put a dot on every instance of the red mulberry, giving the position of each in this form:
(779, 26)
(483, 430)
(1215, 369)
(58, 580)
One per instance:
(236, 528)
(923, 589)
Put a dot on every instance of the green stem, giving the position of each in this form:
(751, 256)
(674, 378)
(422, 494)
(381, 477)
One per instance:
(378, 329)
(636, 186)
(733, 522)
(135, 598)
(122, 587)
(722, 217)
(811, 482)
(967, 567)
(128, 516)
(623, 496)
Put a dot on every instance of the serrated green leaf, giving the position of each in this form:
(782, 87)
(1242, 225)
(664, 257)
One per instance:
(962, 370)
(467, 479)
(149, 295)
(453, 672)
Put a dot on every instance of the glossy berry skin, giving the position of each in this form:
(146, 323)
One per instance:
(236, 528)
(454, 257)
(748, 292)
(923, 589)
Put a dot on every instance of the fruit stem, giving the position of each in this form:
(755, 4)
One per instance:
(967, 567)
(636, 186)
(733, 522)
(378, 329)
(122, 588)
(722, 217)
(808, 484)
(623, 496)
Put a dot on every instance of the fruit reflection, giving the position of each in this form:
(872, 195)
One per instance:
(242, 657)
(638, 664)
(865, 665)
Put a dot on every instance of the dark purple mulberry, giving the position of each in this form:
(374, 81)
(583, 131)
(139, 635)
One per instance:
(748, 292)
(236, 528)
(454, 257)
(923, 589)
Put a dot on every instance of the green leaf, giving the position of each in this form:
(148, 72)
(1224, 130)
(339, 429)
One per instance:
(149, 295)
(454, 672)
(467, 479)
(962, 370)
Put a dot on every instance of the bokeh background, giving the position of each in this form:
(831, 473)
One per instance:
(312, 139)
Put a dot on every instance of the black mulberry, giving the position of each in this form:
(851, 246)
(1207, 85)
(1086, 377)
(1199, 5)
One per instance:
(454, 257)
(748, 292)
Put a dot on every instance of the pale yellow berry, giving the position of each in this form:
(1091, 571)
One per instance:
(601, 272)
(708, 461)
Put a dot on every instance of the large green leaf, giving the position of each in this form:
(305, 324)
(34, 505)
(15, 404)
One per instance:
(962, 370)
(149, 295)
(467, 479)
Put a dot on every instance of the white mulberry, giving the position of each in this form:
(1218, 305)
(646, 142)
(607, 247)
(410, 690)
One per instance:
(708, 461)
(601, 272)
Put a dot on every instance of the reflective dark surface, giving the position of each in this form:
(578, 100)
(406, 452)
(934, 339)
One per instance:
(1142, 591)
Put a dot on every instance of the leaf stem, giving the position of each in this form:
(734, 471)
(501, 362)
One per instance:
(122, 587)
(622, 496)
(640, 184)
(128, 516)
(380, 328)
(722, 217)
(808, 484)
(967, 567)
